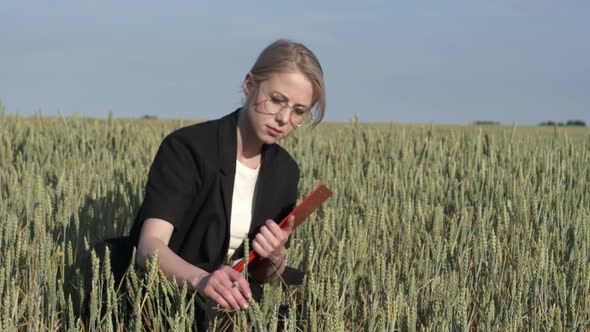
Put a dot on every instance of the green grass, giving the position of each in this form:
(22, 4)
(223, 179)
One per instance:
(430, 228)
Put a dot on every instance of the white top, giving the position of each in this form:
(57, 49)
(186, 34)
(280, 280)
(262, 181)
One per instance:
(242, 202)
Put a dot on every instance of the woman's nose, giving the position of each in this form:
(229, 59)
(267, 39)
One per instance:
(283, 116)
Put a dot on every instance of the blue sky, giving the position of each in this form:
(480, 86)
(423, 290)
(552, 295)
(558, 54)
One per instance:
(416, 61)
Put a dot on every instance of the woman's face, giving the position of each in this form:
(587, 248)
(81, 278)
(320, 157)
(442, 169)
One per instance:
(289, 88)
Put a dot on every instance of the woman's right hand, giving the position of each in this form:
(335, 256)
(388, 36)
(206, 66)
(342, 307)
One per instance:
(226, 287)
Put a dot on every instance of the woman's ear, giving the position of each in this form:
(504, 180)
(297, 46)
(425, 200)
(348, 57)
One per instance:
(248, 84)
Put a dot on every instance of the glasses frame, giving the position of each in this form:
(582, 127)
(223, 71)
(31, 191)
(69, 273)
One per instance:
(285, 105)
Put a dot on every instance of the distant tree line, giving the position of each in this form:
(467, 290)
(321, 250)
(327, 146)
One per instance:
(485, 123)
(573, 123)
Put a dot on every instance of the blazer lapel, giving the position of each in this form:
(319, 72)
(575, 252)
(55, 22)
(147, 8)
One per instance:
(227, 139)
(264, 190)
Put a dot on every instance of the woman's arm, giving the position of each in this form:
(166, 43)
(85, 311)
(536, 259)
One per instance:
(219, 285)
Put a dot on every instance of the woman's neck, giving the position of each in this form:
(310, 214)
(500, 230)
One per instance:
(249, 148)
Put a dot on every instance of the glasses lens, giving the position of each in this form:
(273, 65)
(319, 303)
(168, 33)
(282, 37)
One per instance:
(301, 118)
(297, 116)
(272, 107)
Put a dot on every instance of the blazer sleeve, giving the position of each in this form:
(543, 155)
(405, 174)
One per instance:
(172, 182)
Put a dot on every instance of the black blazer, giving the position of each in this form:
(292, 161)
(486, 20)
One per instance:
(190, 185)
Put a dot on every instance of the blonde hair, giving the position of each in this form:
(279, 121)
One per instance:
(285, 55)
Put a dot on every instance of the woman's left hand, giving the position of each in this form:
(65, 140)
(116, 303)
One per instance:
(270, 242)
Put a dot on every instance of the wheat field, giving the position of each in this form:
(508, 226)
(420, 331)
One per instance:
(430, 228)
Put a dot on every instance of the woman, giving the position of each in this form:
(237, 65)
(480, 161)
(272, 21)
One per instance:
(213, 183)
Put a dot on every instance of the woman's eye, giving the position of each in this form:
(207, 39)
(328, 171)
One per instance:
(277, 99)
(300, 110)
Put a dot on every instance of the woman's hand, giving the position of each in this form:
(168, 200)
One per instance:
(226, 287)
(269, 243)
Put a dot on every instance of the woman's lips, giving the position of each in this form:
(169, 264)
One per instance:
(273, 131)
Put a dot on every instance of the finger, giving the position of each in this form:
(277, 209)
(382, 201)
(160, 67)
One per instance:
(237, 293)
(259, 250)
(263, 242)
(243, 285)
(228, 296)
(272, 238)
(208, 289)
(217, 298)
(223, 285)
(276, 231)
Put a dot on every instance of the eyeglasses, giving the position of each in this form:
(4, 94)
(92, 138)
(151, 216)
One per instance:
(275, 103)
